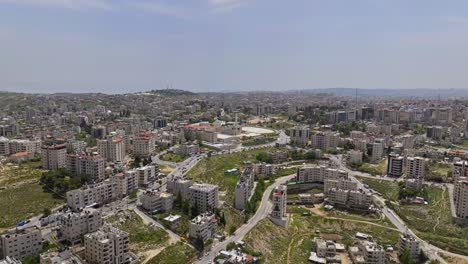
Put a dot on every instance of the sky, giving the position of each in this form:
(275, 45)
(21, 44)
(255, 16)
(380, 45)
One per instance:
(119, 46)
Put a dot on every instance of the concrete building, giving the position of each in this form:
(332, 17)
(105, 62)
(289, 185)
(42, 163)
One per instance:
(112, 149)
(460, 197)
(355, 156)
(311, 174)
(53, 157)
(395, 165)
(22, 145)
(299, 135)
(144, 144)
(263, 169)
(180, 185)
(99, 193)
(74, 225)
(204, 196)
(9, 260)
(125, 183)
(409, 243)
(145, 175)
(278, 214)
(278, 156)
(377, 151)
(203, 226)
(460, 169)
(187, 149)
(108, 245)
(59, 256)
(416, 171)
(244, 189)
(91, 165)
(156, 201)
(325, 140)
(20, 243)
(372, 252)
(4, 146)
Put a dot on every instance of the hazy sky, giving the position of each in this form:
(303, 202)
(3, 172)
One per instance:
(218, 45)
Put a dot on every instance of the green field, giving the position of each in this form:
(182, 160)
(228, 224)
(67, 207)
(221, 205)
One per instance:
(256, 142)
(23, 202)
(142, 237)
(294, 243)
(374, 169)
(173, 157)
(433, 222)
(389, 189)
(211, 170)
(175, 254)
(439, 172)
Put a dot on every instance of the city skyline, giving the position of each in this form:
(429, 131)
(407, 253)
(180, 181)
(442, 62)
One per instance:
(230, 45)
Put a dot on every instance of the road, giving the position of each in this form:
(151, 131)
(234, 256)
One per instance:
(263, 211)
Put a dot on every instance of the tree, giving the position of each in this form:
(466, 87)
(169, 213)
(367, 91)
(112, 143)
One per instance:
(194, 210)
(46, 212)
(405, 257)
(222, 219)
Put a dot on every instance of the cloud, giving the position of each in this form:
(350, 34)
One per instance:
(226, 5)
(72, 4)
(161, 8)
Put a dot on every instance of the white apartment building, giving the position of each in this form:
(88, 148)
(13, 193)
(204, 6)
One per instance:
(460, 169)
(187, 149)
(377, 151)
(155, 201)
(53, 157)
(4, 146)
(278, 156)
(180, 185)
(203, 226)
(125, 183)
(263, 169)
(20, 243)
(310, 174)
(204, 196)
(415, 170)
(299, 135)
(372, 252)
(10, 260)
(99, 193)
(278, 214)
(460, 198)
(145, 175)
(355, 156)
(325, 140)
(92, 165)
(395, 165)
(108, 245)
(23, 145)
(74, 225)
(144, 145)
(244, 189)
(59, 256)
(112, 149)
(410, 243)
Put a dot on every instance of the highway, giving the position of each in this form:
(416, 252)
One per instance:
(262, 212)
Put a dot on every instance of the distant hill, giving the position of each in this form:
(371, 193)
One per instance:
(419, 92)
(172, 92)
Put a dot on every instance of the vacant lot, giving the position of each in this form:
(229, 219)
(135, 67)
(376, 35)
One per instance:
(175, 254)
(23, 202)
(389, 189)
(433, 222)
(293, 244)
(173, 157)
(374, 169)
(211, 170)
(142, 237)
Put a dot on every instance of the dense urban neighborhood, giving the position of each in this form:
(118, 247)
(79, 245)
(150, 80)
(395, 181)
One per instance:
(171, 176)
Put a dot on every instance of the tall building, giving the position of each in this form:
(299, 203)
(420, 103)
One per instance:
(73, 225)
(145, 175)
(460, 199)
(460, 169)
(112, 149)
(299, 135)
(244, 189)
(155, 201)
(53, 157)
(409, 243)
(180, 186)
(372, 252)
(325, 140)
(125, 183)
(4, 146)
(144, 145)
(416, 171)
(20, 243)
(377, 151)
(204, 196)
(278, 214)
(91, 165)
(395, 165)
(108, 245)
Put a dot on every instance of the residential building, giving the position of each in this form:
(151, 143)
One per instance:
(156, 201)
(377, 151)
(355, 156)
(98, 193)
(74, 225)
(9, 260)
(244, 189)
(278, 214)
(108, 245)
(180, 185)
(91, 165)
(372, 252)
(278, 156)
(263, 169)
(59, 256)
(460, 198)
(125, 183)
(204, 196)
(299, 135)
(187, 149)
(415, 170)
(409, 243)
(4, 146)
(53, 157)
(203, 226)
(460, 169)
(20, 243)
(144, 144)
(310, 174)
(325, 140)
(112, 149)
(145, 175)
(395, 165)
